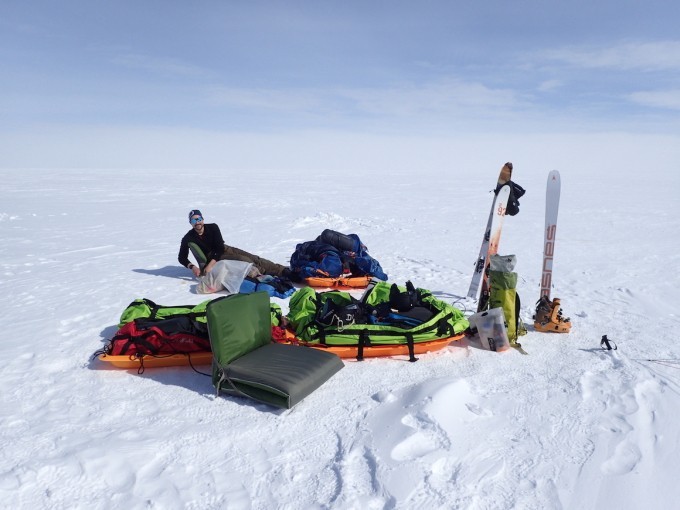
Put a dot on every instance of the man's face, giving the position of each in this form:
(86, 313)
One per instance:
(197, 222)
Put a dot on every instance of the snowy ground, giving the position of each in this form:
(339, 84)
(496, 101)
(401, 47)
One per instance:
(568, 426)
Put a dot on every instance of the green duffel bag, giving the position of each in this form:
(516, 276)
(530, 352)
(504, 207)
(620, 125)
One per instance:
(146, 309)
(336, 318)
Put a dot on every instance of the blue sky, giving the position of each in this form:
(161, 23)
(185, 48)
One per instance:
(125, 79)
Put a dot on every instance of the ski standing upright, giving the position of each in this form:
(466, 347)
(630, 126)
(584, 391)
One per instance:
(548, 312)
(552, 206)
(491, 239)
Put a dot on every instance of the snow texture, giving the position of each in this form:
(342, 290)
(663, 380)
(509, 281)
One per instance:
(567, 426)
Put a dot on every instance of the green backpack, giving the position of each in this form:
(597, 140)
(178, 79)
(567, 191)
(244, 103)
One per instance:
(350, 322)
(503, 283)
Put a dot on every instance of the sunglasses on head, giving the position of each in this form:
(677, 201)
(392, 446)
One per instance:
(193, 221)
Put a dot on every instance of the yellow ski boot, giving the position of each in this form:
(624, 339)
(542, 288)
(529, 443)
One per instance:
(548, 317)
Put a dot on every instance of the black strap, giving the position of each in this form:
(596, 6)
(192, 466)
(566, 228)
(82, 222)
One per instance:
(277, 313)
(191, 315)
(129, 343)
(484, 300)
(140, 340)
(443, 326)
(411, 351)
(352, 330)
(518, 321)
(363, 340)
(155, 309)
(153, 306)
(140, 357)
(131, 340)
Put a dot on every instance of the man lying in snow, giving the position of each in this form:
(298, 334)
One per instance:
(208, 238)
(223, 267)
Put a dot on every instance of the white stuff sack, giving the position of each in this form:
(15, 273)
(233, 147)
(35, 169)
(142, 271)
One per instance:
(225, 274)
(502, 263)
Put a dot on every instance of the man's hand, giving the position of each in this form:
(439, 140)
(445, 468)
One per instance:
(210, 265)
(196, 271)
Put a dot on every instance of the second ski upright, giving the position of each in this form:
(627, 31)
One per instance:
(552, 205)
(548, 317)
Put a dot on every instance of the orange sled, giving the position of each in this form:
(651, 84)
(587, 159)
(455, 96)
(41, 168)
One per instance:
(378, 351)
(348, 282)
(162, 360)
(342, 351)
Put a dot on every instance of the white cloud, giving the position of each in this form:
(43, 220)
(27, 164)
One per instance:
(549, 85)
(642, 56)
(442, 98)
(445, 97)
(161, 65)
(669, 99)
(293, 100)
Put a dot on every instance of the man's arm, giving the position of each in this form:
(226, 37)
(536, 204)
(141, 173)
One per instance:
(183, 257)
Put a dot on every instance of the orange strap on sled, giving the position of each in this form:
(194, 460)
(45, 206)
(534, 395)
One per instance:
(353, 282)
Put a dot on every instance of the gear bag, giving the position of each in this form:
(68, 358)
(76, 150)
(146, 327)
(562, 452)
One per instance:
(516, 192)
(336, 318)
(145, 308)
(490, 327)
(503, 283)
(177, 335)
(332, 255)
(149, 329)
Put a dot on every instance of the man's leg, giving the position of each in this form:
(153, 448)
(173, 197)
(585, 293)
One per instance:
(265, 266)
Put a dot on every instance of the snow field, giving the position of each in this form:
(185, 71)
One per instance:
(568, 426)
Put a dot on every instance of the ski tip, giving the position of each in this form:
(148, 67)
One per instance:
(506, 173)
(554, 180)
